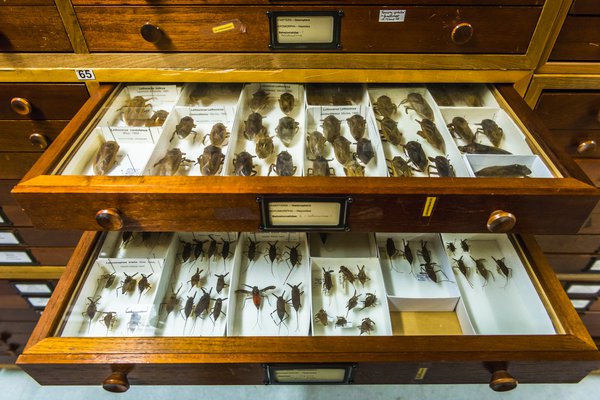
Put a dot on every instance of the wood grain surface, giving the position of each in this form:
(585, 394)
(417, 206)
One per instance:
(49, 101)
(579, 39)
(14, 134)
(35, 29)
(569, 109)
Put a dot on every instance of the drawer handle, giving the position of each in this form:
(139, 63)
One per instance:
(116, 382)
(21, 106)
(151, 33)
(586, 146)
(462, 33)
(39, 140)
(502, 381)
(109, 219)
(501, 221)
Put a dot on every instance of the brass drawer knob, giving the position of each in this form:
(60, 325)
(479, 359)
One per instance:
(151, 33)
(462, 33)
(501, 221)
(586, 146)
(502, 381)
(21, 106)
(116, 382)
(109, 219)
(39, 140)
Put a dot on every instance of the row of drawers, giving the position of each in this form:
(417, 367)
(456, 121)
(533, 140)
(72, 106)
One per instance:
(579, 38)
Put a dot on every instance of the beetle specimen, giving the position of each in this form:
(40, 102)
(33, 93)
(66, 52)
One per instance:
(282, 313)
(320, 167)
(353, 168)
(417, 103)
(451, 246)
(341, 150)
(464, 245)
(284, 165)
(424, 252)
(459, 128)
(384, 106)
(367, 325)
(399, 167)
(462, 267)
(352, 302)
(225, 253)
(109, 320)
(184, 128)
(218, 135)
(187, 309)
(391, 251)
(389, 131)
(91, 310)
(429, 269)
(502, 268)
(106, 157)
(157, 119)
(364, 150)
(170, 163)
(144, 285)
(256, 295)
(441, 167)
(431, 133)
(315, 144)
(505, 171)
(296, 293)
(203, 304)
(242, 164)
(195, 279)
(134, 320)
(347, 276)
(253, 126)
(362, 275)
(128, 284)
(490, 128)
(340, 322)
(293, 258)
(136, 111)
(173, 301)
(415, 153)
(212, 248)
(186, 252)
(217, 310)
(211, 160)
(286, 102)
(478, 148)
(357, 125)
(483, 271)
(221, 282)
(263, 146)
(322, 317)
(327, 281)
(286, 130)
(259, 100)
(332, 128)
(369, 301)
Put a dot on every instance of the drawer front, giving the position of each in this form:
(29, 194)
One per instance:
(16, 215)
(592, 169)
(35, 237)
(592, 225)
(579, 39)
(37, 28)
(586, 7)
(570, 110)
(58, 256)
(578, 143)
(16, 135)
(589, 244)
(16, 165)
(47, 101)
(27, 3)
(318, 2)
(569, 263)
(5, 188)
(424, 30)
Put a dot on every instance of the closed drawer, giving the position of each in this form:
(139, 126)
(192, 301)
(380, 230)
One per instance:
(592, 225)
(591, 320)
(38, 28)
(15, 165)
(589, 244)
(424, 30)
(579, 39)
(579, 143)
(570, 110)
(28, 136)
(5, 188)
(586, 7)
(569, 263)
(46, 101)
(15, 215)
(591, 168)
(27, 3)
(58, 256)
(36, 238)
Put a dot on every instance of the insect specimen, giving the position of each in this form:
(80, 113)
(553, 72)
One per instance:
(221, 282)
(184, 128)
(347, 276)
(478, 148)
(203, 304)
(327, 281)
(284, 165)
(256, 296)
(459, 128)
(441, 166)
(144, 285)
(464, 245)
(362, 275)
(341, 322)
(352, 302)
(293, 258)
(195, 279)
(389, 131)
(322, 317)
(286, 130)
(502, 268)
(417, 103)
(431, 133)
(211, 160)
(315, 144)
(286, 102)
(364, 150)
(136, 111)
(242, 164)
(134, 320)
(341, 150)
(320, 167)
(414, 151)
(357, 124)
(280, 309)
(369, 300)
(399, 167)
(109, 320)
(259, 101)
(273, 255)
(462, 267)
(331, 128)
(384, 106)
(169, 165)
(490, 128)
(172, 301)
(218, 135)
(483, 271)
(263, 146)
(504, 171)
(157, 119)
(106, 157)
(187, 309)
(367, 326)
(217, 310)
(128, 284)
(296, 293)
(253, 126)
(91, 310)
(353, 168)
(451, 246)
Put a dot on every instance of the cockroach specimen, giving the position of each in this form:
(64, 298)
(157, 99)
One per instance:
(293, 258)
(429, 269)
(367, 325)
(217, 310)
(172, 301)
(502, 268)
(195, 279)
(109, 320)
(187, 310)
(296, 293)
(322, 317)
(203, 304)
(362, 275)
(286, 103)
(282, 313)
(462, 267)
(464, 245)
(221, 282)
(144, 285)
(340, 322)
(225, 247)
(451, 247)
(91, 310)
(352, 302)
(369, 301)
(106, 157)
(417, 103)
(483, 271)
(327, 281)
(357, 125)
(424, 252)
(392, 251)
(257, 295)
(134, 320)
(347, 276)
(186, 252)
(384, 106)
(128, 284)
(272, 255)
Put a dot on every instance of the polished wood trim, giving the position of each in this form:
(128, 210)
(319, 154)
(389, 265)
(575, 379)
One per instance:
(38, 272)
(554, 29)
(560, 81)
(69, 19)
(582, 277)
(544, 31)
(584, 68)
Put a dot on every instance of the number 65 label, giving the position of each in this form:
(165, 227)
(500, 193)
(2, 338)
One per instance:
(85, 74)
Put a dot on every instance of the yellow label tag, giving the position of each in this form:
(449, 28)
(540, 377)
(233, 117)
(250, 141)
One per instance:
(222, 28)
(420, 374)
(429, 203)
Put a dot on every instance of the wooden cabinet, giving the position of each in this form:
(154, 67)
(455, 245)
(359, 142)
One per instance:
(38, 28)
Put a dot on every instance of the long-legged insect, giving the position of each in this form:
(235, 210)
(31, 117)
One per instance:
(462, 267)
(186, 252)
(296, 293)
(144, 285)
(217, 310)
(256, 296)
(429, 269)
(352, 302)
(187, 310)
(221, 282)
(195, 279)
(451, 246)
(282, 313)
(392, 251)
(108, 279)
(362, 275)
(503, 269)
(202, 306)
(91, 310)
(464, 245)
(109, 320)
(272, 255)
(126, 237)
(128, 284)
(212, 250)
(172, 301)
(347, 275)
(367, 325)
(327, 281)
(369, 301)
(252, 251)
(225, 253)
(293, 258)
(198, 250)
(134, 320)
(483, 271)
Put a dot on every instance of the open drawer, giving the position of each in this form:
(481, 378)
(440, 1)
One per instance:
(129, 135)
(129, 309)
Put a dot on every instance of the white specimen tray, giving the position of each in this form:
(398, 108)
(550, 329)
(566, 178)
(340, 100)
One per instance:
(475, 162)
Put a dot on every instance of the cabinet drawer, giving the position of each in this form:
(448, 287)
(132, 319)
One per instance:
(5, 188)
(569, 263)
(35, 237)
(586, 7)
(37, 28)
(579, 39)
(570, 110)
(592, 169)
(20, 135)
(254, 2)
(16, 216)
(424, 29)
(46, 101)
(15, 165)
(569, 243)
(394, 357)
(578, 143)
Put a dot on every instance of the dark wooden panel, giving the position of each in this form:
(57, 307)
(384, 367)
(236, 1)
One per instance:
(592, 168)
(49, 101)
(36, 237)
(58, 256)
(32, 29)
(6, 186)
(568, 263)
(569, 243)
(579, 40)
(27, 3)
(14, 134)
(589, 7)
(591, 320)
(592, 225)
(303, 2)
(15, 165)
(570, 139)
(16, 215)
(24, 326)
(425, 29)
(570, 110)
(10, 302)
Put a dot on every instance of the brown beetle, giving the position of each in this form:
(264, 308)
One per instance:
(211, 160)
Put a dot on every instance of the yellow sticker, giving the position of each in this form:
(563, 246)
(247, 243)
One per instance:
(420, 374)
(222, 28)
(429, 203)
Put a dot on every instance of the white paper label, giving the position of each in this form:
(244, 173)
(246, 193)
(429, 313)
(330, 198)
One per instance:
(8, 238)
(341, 112)
(158, 93)
(305, 29)
(32, 288)
(15, 257)
(580, 304)
(310, 375)
(595, 266)
(392, 15)
(583, 289)
(304, 213)
(2, 220)
(85, 74)
(210, 114)
(38, 301)
(141, 135)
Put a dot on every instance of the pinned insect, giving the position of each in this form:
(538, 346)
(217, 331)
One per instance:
(187, 309)
(399, 167)
(352, 302)
(320, 167)
(157, 119)
(441, 167)
(253, 126)
(389, 131)
(284, 165)
(259, 101)
(109, 320)
(144, 285)
(195, 279)
(462, 267)
(212, 248)
(128, 284)
(429, 269)
(353, 168)
(286, 103)
(483, 271)
(126, 237)
(107, 280)
(490, 128)
(106, 157)
(424, 252)
(384, 106)
(242, 164)
(136, 111)
(221, 282)
(364, 150)
(347, 276)
(203, 304)
(464, 245)
(186, 252)
(296, 293)
(362, 275)
(286, 130)
(340, 322)
(431, 134)
(217, 310)
(504, 171)
(211, 160)
(293, 259)
(184, 128)
(451, 246)
(263, 146)
(357, 124)
(322, 317)
(327, 281)
(407, 253)
(172, 302)
(256, 296)
(272, 255)
(414, 151)
(332, 128)
(391, 251)
(341, 150)
(315, 144)
(252, 251)
(478, 148)
(369, 301)
(91, 310)
(199, 249)
(134, 320)
(459, 128)
(218, 135)
(280, 309)
(502, 268)
(418, 104)
(367, 326)
(169, 165)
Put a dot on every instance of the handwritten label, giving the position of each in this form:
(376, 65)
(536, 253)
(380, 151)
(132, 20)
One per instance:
(341, 112)
(304, 213)
(305, 29)
(166, 93)
(310, 375)
(392, 15)
(138, 135)
(15, 257)
(210, 114)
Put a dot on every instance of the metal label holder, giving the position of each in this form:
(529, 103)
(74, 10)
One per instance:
(336, 28)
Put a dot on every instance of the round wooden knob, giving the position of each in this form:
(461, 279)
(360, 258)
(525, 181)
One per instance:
(462, 33)
(39, 140)
(116, 382)
(21, 106)
(586, 146)
(151, 33)
(501, 221)
(502, 381)
(109, 219)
